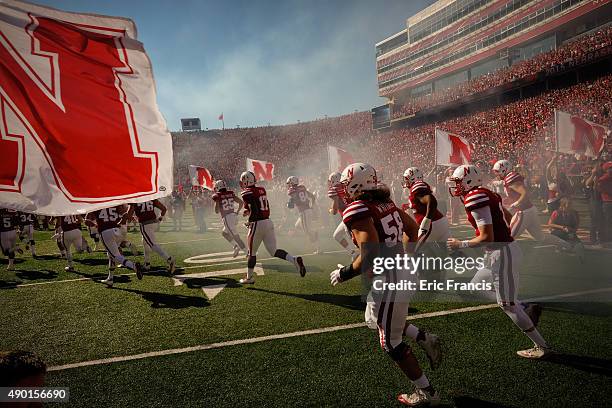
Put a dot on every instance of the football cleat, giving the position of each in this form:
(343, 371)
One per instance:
(236, 251)
(10, 267)
(172, 266)
(138, 270)
(69, 268)
(534, 311)
(19, 250)
(420, 398)
(244, 281)
(299, 265)
(535, 353)
(108, 282)
(432, 348)
(88, 249)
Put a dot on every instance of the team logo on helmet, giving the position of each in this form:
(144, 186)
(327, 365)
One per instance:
(464, 179)
(247, 179)
(359, 177)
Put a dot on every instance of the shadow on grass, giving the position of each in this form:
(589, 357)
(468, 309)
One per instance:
(47, 257)
(289, 268)
(167, 301)
(92, 261)
(585, 308)
(352, 302)
(36, 274)
(4, 284)
(584, 363)
(471, 402)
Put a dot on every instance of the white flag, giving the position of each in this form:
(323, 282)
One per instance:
(338, 158)
(451, 149)
(263, 170)
(201, 177)
(81, 127)
(579, 136)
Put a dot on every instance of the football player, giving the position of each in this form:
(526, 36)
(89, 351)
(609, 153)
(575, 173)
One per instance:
(108, 222)
(490, 221)
(122, 232)
(339, 201)
(149, 221)
(433, 226)
(8, 235)
(93, 234)
(68, 228)
(373, 217)
(26, 225)
(525, 216)
(303, 200)
(225, 201)
(260, 227)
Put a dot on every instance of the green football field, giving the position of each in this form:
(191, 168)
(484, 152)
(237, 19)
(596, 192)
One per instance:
(203, 340)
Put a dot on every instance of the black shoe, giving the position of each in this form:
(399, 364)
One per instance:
(138, 270)
(534, 311)
(301, 267)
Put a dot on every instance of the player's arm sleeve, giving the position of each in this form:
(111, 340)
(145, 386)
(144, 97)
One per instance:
(161, 207)
(482, 216)
(355, 211)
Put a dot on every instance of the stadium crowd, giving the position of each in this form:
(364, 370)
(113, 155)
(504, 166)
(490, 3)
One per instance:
(577, 51)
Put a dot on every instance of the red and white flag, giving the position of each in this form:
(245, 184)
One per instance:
(338, 158)
(579, 136)
(263, 170)
(200, 177)
(451, 149)
(79, 124)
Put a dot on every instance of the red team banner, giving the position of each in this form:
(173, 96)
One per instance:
(263, 170)
(579, 136)
(451, 149)
(338, 158)
(200, 177)
(79, 125)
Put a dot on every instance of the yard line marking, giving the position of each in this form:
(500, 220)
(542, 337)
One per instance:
(258, 259)
(301, 333)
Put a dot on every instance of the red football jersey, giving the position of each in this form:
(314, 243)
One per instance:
(70, 222)
(225, 200)
(385, 215)
(108, 218)
(514, 178)
(298, 196)
(145, 212)
(255, 197)
(480, 197)
(8, 220)
(338, 195)
(420, 189)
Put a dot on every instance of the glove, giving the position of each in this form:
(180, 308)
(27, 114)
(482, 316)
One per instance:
(424, 227)
(334, 276)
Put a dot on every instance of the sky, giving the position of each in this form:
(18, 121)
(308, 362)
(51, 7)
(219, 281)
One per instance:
(259, 62)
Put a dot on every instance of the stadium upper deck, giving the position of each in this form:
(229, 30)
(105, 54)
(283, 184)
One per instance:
(453, 41)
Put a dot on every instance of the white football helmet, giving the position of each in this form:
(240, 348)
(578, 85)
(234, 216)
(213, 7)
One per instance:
(501, 168)
(334, 178)
(464, 179)
(293, 181)
(358, 177)
(247, 179)
(411, 176)
(219, 185)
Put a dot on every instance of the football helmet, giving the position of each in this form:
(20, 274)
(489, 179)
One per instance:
(219, 185)
(334, 178)
(358, 177)
(247, 179)
(464, 178)
(293, 181)
(411, 176)
(501, 168)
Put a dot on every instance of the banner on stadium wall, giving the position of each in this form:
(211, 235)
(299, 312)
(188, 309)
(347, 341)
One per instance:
(263, 170)
(338, 158)
(80, 128)
(579, 136)
(452, 149)
(200, 177)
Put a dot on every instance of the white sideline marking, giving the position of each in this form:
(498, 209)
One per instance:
(204, 262)
(296, 334)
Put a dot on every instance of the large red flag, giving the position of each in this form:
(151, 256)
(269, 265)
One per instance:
(263, 170)
(200, 177)
(79, 125)
(579, 136)
(338, 158)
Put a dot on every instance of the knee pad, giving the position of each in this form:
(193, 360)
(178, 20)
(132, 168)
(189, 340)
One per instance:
(251, 261)
(398, 352)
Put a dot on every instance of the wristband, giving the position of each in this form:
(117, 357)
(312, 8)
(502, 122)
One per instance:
(465, 244)
(347, 272)
(425, 224)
